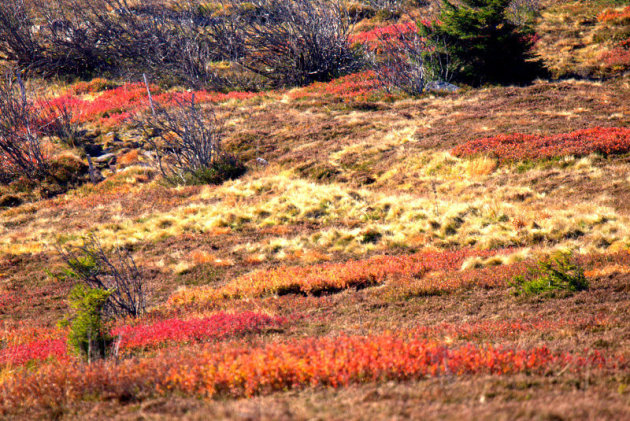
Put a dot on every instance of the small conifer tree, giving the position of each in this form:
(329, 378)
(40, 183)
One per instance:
(88, 334)
(480, 42)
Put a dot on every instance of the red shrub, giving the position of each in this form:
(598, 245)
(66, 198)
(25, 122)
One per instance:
(618, 57)
(111, 107)
(614, 15)
(38, 350)
(356, 87)
(374, 38)
(243, 369)
(519, 147)
(217, 326)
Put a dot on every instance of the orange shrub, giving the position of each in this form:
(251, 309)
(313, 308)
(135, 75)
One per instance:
(328, 277)
(614, 15)
(241, 369)
(129, 157)
(356, 87)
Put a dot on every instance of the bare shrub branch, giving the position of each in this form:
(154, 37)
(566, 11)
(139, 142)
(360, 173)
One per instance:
(286, 42)
(521, 12)
(87, 37)
(187, 144)
(401, 65)
(390, 6)
(21, 125)
(61, 122)
(295, 42)
(17, 40)
(116, 272)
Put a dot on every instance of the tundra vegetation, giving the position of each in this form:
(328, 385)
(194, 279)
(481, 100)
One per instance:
(276, 209)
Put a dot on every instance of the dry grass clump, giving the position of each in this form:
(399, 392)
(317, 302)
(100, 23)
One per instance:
(573, 36)
(353, 221)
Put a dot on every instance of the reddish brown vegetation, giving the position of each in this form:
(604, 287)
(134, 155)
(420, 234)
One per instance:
(522, 147)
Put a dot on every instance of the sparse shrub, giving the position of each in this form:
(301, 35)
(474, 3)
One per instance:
(296, 42)
(61, 122)
(87, 37)
(387, 9)
(88, 334)
(187, 144)
(482, 44)
(21, 126)
(115, 272)
(522, 12)
(558, 273)
(401, 63)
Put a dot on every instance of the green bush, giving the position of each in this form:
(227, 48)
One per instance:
(88, 335)
(476, 43)
(558, 273)
(225, 167)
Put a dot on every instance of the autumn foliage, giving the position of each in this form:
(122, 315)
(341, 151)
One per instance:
(235, 369)
(215, 327)
(373, 39)
(618, 56)
(329, 277)
(37, 350)
(38, 344)
(524, 147)
(355, 87)
(615, 15)
(88, 103)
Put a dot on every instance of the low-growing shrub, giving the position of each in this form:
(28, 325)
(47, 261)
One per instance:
(558, 273)
(363, 86)
(373, 38)
(618, 16)
(617, 58)
(61, 122)
(243, 369)
(187, 145)
(217, 326)
(525, 147)
(327, 278)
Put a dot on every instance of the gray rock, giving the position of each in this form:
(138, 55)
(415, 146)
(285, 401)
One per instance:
(106, 157)
(441, 87)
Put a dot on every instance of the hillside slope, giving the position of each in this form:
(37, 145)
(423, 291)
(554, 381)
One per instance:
(370, 269)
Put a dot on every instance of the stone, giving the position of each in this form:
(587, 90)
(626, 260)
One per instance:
(441, 87)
